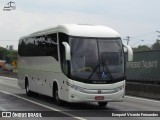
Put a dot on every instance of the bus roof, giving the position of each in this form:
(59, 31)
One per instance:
(80, 30)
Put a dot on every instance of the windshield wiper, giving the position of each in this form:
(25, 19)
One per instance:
(94, 71)
(105, 66)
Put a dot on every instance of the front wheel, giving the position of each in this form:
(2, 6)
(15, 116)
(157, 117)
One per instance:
(102, 104)
(56, 96)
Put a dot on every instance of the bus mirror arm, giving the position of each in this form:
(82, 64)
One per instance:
(67, 50)
(130, 52)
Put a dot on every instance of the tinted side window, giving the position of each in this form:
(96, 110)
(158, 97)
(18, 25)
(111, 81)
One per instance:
(21, 47)
(39, 46)
(50, 46)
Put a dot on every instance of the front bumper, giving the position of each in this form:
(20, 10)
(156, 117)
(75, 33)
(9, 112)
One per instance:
(77, 96)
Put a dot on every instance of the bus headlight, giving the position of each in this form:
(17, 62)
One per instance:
(119, 88)
(75, 87)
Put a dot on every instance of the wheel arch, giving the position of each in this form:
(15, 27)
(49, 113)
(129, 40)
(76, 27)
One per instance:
(26, 80)
(55, 84)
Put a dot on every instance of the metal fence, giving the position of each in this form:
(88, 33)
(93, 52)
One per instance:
(144, 68)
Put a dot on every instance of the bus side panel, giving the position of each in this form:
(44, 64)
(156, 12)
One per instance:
(41, 72)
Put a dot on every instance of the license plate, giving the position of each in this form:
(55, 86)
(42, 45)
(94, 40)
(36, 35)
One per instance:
(99, 98)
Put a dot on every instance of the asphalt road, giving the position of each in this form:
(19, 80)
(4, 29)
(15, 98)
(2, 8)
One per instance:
(13, 98)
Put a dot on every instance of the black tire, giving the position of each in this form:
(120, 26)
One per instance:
(102, 104)
(28, 92)
(56, 96)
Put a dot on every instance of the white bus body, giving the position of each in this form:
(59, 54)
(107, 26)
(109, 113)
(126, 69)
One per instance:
(74, 63)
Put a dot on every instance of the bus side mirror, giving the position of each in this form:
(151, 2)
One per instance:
(130, 52)
(67, 50)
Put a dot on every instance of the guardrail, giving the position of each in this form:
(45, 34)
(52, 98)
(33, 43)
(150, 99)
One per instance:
(143, 90)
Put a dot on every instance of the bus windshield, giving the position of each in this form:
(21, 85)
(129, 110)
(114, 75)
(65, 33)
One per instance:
(96, 58)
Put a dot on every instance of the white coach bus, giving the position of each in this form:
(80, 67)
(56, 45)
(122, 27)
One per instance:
(74, 63)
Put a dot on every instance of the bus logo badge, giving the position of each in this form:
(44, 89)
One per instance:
(99, 91)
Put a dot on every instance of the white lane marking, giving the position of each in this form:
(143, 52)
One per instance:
(9, 83)
(13, 82)
(138, 98)
(48, 107)
(2, 109)
(15, 79)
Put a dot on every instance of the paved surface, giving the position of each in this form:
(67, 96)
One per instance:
(13, 98)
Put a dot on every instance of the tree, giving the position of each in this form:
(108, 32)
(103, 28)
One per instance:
(141, 48)
(8, 55)
(156, 45)
(10, 47)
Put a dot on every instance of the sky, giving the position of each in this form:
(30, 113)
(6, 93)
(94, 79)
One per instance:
(138, 19)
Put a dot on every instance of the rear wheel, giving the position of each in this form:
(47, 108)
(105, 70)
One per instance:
(102, 104)
(28, 92)
(56, 96)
